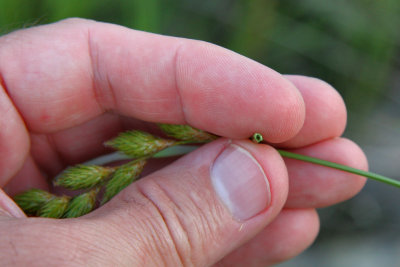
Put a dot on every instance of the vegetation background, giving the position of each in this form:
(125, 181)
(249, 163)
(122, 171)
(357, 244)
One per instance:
(353, 45)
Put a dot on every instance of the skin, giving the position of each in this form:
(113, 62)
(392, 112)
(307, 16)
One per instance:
(68, 87)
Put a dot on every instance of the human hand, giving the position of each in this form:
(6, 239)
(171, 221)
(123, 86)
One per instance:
(69, 86)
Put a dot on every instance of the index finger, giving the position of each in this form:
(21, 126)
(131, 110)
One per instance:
(63, 74)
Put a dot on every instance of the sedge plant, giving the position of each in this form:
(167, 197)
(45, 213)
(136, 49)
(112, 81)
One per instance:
(97, 184)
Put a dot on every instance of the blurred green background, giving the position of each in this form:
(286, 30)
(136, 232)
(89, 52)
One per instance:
(353, 45)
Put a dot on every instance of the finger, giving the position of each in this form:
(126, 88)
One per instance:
(198, 209)
(8, 208)
(53, 152)
(90, 67)
(325, 119)
(316, 186)
(62, 75)
(286, 237)
(14, 142)
(325, 112)
(29, 176)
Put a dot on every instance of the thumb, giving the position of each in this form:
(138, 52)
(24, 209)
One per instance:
(196, 210)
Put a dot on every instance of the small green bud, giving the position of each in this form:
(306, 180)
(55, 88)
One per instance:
(54, 208)
(139, 144)
(32, 200)
(187, 133)
(81, 204)
(121, 178)
(83, 176)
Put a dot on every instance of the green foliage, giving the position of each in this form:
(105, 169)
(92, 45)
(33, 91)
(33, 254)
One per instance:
(83, 176)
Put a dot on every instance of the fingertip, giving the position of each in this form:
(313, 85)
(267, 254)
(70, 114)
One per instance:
(287, 236)
(326, 114)
(356, 158)
(314, 186)
(234, 96)
(289, 113)
(302, 227)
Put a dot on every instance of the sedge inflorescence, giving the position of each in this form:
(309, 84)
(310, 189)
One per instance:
(98, 184)
(101, 183)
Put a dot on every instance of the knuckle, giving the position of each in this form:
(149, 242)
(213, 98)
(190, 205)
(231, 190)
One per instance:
(178, 229)
(157, 224)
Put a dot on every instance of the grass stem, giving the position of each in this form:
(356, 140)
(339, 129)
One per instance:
(341, 167)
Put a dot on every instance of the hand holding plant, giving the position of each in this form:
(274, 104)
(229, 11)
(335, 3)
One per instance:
(231, 201)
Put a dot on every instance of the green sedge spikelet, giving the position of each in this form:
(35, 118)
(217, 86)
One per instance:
(81, 204)
(83, 176)
(54, 208)
(138, 144)
(121, 178)
(32, 200)
(187, 133)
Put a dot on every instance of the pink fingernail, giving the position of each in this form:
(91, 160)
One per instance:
(240, 183)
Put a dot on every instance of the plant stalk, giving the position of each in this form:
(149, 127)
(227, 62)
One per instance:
(341, 167)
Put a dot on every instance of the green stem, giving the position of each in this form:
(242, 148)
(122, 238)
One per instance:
(329, 164)
(178, 150)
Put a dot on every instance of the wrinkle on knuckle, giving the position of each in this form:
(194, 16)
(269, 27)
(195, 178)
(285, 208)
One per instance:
(177, 78)
(193, 217)
(148, 231)
(175, 235)
(102, 85)
(207, 213)
(167, 221)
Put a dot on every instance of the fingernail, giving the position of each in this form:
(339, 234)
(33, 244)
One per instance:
(240, 183)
